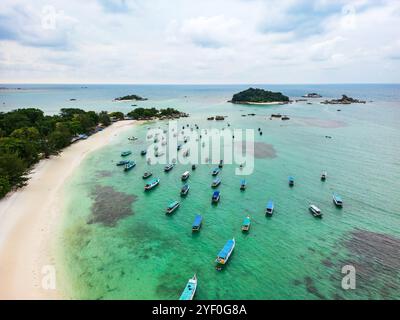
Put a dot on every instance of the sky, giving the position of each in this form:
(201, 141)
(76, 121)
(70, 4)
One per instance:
(200, 42)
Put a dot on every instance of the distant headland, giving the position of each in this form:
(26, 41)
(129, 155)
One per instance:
(259, 96)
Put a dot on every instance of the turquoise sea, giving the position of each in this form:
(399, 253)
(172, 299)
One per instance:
(117, 242)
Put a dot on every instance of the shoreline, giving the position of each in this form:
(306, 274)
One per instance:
(30, 216)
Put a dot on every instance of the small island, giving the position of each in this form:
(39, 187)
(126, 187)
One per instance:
(259, 96)
(344, 100)
(153, 113)
(131, 97)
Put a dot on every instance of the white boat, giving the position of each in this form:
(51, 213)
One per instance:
(185, 175)
(316, 212)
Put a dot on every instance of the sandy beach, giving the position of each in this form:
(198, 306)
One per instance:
(29, 221)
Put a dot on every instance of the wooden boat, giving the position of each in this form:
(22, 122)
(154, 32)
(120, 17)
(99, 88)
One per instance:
(246, 224)
(190, 289)
(216, 197)
(243, 184)
(130, 165)
(215, 171)
(324, 175)
(147, 174)
(291, 181)
(143, 152)
(225, 253)
(337, 200)
(125, 153)
(216, 183)
(198, 220)
(152, 184)
(185, 175)
(221, 163)
(122, 162)
(168, 167)
(193, 167)
(172, 207)
(269, 210)
(315, 211)
(185, 189)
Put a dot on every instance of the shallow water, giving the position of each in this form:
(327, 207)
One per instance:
(137, 252)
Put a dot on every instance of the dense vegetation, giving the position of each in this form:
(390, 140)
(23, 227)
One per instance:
(27, 135)
(131, 97)
(258, 96)
(152, 113)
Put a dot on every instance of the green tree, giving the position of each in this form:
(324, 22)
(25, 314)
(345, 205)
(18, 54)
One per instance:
(104, 118)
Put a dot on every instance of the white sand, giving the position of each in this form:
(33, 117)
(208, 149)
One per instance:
(29, 220)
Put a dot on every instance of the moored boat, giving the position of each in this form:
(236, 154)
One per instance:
(185, 175)
(198, 220)
(243, 184)
(185, 190)
(153, 183)
(168, 167)
(193, 167)
(269, 210)
(147, 174)
(216, 196)
(143, 152)
(172, 207)
(225, 253)
(337, 200)
(221, 163)
(190, 289)
(315, 211)
(324, 175)
(291, 181)
(130, 165)
(122, 162)
(216, 183)
(125, 153)
(215, 171)
(246, 224)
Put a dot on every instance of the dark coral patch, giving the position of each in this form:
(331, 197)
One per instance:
(259, 150)
(110, 206)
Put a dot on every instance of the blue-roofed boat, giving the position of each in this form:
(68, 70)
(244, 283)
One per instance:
(122, 162)
(190, 289)
(125, 153)
(143, 152)
(172, 207)
(225, 253)
(215, 171)
(216, 196)
(168, 167)
(130, 165)
(185, 190)
(337, 200)
(243, 184)
(198, 220)
(147, 174)
(216, 183)
(291, 181)
(246, 224)
(269, 210)
(153, 183)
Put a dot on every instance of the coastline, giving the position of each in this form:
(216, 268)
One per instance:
(261, 103)
(29, 220)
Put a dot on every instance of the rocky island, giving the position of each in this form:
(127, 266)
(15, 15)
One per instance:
(259, 96)
(131, 97)
(344, 100)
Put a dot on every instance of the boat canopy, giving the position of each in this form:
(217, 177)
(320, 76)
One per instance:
(291, 178)
(246, 221)
(215, 194)
(197, 221)
(270, 204)
(226, 249)
(153, 181)
(217, 180)
(186, 173)
(173, 204)
(243, 182)
(337, 198)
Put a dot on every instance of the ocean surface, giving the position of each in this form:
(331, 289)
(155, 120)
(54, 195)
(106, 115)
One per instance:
(117, 242)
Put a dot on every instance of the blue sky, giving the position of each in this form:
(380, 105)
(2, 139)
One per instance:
(208, 41)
